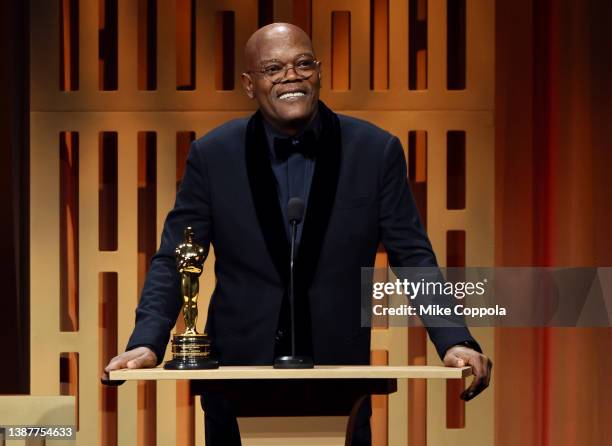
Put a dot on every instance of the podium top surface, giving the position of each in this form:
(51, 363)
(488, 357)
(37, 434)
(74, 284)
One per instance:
(319, 372)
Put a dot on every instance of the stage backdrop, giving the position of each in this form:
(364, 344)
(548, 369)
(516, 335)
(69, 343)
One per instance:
(120, 88)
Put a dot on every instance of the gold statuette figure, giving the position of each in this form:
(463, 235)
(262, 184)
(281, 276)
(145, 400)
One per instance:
(189, 262)
(190, 350)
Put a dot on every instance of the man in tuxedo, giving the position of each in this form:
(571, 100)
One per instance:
(238, 180)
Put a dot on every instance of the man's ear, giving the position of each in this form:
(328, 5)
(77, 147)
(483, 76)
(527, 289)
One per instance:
(247, 84)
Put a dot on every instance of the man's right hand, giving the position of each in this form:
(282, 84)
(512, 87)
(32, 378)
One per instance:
(138, 358)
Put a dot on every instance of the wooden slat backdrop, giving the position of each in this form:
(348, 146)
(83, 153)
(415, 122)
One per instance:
(166, 111)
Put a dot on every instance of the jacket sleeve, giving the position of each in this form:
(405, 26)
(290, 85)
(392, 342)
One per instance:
(407, 244)
(160, 301)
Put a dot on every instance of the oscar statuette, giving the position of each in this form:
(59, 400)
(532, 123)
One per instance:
(190, 350)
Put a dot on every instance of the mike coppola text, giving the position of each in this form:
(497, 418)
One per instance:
(430, 291)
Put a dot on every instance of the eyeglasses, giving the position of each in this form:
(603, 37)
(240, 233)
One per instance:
(275, 72)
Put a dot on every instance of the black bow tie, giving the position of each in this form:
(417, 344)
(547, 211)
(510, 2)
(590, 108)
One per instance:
(305, 145)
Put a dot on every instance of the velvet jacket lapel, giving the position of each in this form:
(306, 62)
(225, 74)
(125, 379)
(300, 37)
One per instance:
(265, 196)
(320, 201)
(321, 198)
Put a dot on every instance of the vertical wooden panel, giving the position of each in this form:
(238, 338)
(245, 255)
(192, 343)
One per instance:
(108, 192)
(455, 407)
(108, 76)
(282, 11)
(455, 170)
(265, 12)
(417, 170)
(417, 45)
(183, 143)
(399, 29)
(69, 45)
(89, 282)
(417, 388)
(480, 51)
(108, 291)
(147, 208)
(341, 50)
(147, 237)
(127, 256)
(185, 402)
(147, 411)
(477, 220)
(69, 231)
(185, 45)
(128, 30)
(381, 274)
(302, 14)
(455, 248)
(69, 379)
(436, 45)
(224, 50)
(166, 191)
(147, 44)
(417, 336)
(89, 46)
(185, 413)
(167, 46)
(455, 44)
(379, 423)
(380, 410)
(379, 49)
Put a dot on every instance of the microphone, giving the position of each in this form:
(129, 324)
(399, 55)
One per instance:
(295, 214)
(295, 210)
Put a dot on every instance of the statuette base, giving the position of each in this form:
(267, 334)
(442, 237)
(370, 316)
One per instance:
(191, 352)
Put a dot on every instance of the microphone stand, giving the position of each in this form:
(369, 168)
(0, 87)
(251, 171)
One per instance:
(293, 361)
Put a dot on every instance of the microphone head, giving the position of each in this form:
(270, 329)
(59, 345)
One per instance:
(295, 210)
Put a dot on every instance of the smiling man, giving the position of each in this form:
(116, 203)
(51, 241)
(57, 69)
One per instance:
(235, 192)
(283, 76)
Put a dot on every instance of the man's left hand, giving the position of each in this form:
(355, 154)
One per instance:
(460, 356)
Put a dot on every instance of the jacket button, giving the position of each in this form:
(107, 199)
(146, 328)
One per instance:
(279, 335)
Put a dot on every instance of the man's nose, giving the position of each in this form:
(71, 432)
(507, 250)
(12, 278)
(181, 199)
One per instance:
(291, 73)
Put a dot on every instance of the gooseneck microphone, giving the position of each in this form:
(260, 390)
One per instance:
(295, 214)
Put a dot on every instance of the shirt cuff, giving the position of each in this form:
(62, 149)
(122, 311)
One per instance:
(470, 344)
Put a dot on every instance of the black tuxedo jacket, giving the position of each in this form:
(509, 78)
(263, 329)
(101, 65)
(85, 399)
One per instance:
(359, 197)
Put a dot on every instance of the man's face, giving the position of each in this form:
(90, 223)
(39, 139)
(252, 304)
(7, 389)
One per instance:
(292, 102)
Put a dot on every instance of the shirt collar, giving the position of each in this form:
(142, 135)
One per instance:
(272, 132)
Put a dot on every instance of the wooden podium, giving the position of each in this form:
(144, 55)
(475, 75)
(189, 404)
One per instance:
(261, 391)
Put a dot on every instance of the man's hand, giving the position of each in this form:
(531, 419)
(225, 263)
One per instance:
(460, 356)
(138, 358)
